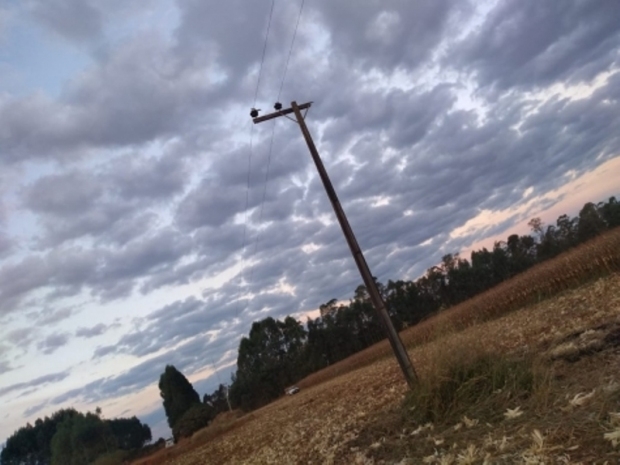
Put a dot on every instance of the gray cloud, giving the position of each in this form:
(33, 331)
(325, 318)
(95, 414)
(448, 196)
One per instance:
(108, 273)
(65, 194)
(5, 366)
(209, 205)
(37, 382)
(21, 337)
(187, 357)
(93, 331)
(7, 245)
(53, 342)
(75, 20)
(34, 409)
(532, 43)
(183, 322)
(389, 35)
(150, 178)
(52, 315)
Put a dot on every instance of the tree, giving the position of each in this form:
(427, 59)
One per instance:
(80, 439)
(610, 212)
(329, 307)
(590, 223)
(32, 444)
(177, 393)
(130, 433)
(197, 417)
(267, 361)
(68, 436)
(537, 226)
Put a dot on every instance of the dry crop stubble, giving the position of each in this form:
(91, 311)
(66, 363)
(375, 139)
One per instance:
(571, 269)
(322, 422)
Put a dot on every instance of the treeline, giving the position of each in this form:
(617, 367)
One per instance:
(276, 353)
(69, 437)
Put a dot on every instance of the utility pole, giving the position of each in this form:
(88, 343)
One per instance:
(397, 345)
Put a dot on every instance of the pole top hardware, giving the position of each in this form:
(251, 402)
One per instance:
(279, 112)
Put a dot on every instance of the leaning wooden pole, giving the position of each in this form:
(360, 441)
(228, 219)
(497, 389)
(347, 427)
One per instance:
(397, 345)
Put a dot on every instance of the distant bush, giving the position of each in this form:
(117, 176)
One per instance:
(196, 418)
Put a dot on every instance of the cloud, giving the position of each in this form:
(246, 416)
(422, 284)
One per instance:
(208, 205)
(108, 273)
(75, 20)
(388, 36)
(93, 331)
(7, 245)
(139, 95)
(53, 342)
(5, 366)
(63, 194)
(21, 337)
(34, 409)
(190, 321)
(37, 382)
(139, 177)
(188, 357)
(531, 44)
(52, 315)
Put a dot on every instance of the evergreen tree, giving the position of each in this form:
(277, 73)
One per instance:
(178, 394)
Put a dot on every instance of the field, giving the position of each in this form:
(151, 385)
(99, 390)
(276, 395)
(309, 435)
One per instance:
(564, 315)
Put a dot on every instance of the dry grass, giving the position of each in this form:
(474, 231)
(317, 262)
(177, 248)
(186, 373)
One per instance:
(351, 412)
(587, 262)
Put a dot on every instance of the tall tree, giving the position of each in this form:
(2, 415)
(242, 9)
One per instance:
(610, 212)
(590, 223)
(267, 361)
(177, 393)
(32, 444)
(129, 432)
(81, 439)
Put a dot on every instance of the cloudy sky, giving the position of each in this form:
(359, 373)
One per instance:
(145, 221)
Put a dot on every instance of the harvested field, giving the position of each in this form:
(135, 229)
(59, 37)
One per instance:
(352, 412)
(569, 270)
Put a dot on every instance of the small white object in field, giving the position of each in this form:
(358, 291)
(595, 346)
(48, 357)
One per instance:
(581, 398)
(613, 436)
(513, 413)
(469, 423)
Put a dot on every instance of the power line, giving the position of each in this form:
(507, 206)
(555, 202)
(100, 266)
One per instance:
(271, 141)
(262, 61)
(251, 152)
(273, 129)
(262, 204)
(247, 204)
(290, 51)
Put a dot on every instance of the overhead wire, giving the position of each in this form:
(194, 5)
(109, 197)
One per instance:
(273, 127)
(251, 152)
(262, 204)
(262, 61)
(290, 50)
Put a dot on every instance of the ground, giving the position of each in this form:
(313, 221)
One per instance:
(564, 315)
(358, 417)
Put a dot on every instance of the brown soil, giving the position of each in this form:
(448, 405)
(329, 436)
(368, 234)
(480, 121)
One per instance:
(352, 411)
(357, 417)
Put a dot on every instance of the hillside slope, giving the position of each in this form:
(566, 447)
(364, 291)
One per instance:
(353, 411)
(354, 418)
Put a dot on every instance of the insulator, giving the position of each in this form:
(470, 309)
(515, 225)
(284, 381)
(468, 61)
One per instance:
(278, 106)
